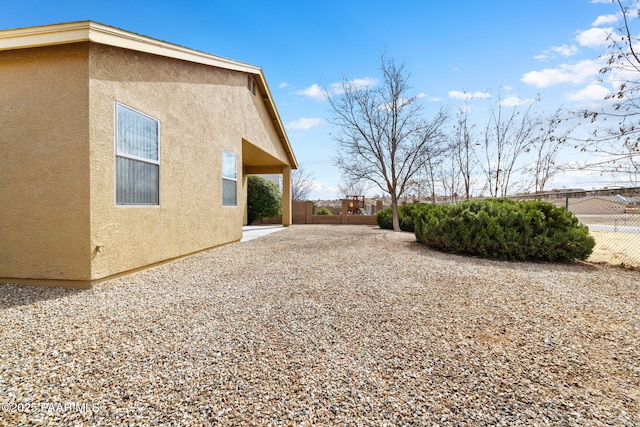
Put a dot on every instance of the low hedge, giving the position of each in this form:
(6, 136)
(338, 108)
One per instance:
(322, 211)
(384, 219)
(504, 229)
(406, 215)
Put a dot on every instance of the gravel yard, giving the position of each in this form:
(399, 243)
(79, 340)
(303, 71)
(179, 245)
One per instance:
(327, 325)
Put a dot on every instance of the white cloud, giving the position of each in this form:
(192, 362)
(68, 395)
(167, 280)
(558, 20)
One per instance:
(591, 92)
(578, 73)
(314, 91)
(545, 78)
(565, 50)
(363, 83)
(421, 95)
(514, 101)
(594, 37)
(616, 76)
(456, 94)
(355, 84)
(401, 103)
(283, 85)
(605, 19)
(305, 123)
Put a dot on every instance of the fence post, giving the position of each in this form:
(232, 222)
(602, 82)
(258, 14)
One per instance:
(566, 201)
(345, 209)
(308, 212)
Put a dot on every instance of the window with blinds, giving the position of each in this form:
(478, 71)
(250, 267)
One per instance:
(137, 158)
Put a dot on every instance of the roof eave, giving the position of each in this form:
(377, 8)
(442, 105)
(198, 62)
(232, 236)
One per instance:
(277, 122)
(24, 38)
(82, 31)
(89, 31)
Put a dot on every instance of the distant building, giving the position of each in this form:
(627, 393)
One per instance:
(602, 204)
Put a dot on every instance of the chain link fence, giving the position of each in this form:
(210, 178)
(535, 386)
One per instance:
(613, 218)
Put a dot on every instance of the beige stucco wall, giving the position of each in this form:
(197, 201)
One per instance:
(201, 110)
(44, 163)
(59, 220)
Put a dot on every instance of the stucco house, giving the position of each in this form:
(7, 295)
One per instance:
(120, 152)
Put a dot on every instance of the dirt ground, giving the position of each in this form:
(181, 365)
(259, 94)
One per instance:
(616, 248)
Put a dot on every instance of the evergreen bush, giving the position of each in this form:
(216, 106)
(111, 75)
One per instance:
(504, 229)
(263, 198)
(322, 211)
(384, 218)
(406, 214)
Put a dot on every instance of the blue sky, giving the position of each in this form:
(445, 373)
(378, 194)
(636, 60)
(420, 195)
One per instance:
(520, 48)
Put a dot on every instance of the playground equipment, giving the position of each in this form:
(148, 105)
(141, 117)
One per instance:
(355, 205)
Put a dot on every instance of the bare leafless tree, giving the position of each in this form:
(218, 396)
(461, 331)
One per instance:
(450, 175)
(463, 150)
(615, 140)
(354, 187)
(425, 182)
(510, 132)
(382, 134)
(302, 182)
(550, 140)
(431, 175)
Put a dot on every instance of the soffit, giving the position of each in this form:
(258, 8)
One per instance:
(254, 156)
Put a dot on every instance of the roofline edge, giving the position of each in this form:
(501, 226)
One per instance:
(91, 31)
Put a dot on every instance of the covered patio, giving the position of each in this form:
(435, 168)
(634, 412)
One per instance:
(256, 161)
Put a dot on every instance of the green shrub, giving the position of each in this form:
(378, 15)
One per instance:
(505, 229)
(384, 218)
(263, 198)
(406, 214)
(323, 211)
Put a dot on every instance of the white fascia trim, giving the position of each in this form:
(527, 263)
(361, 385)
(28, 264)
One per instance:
(23, 38)
(103, 34)
(75, 32)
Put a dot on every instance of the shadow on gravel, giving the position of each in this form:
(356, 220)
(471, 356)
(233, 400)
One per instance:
(12, 295)
(509, 265)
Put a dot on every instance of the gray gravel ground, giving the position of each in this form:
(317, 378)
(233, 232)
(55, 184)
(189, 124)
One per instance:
(327, 325)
